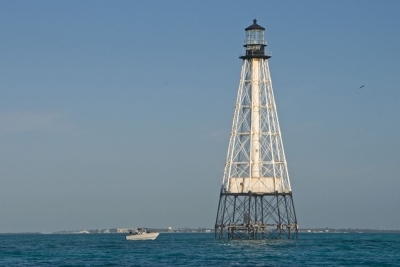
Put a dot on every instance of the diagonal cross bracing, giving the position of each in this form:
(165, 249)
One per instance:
(256, 199)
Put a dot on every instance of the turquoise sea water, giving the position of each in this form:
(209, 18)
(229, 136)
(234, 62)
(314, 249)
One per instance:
(199, 250)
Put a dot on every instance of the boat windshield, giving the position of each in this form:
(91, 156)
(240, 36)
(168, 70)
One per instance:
(141, 230)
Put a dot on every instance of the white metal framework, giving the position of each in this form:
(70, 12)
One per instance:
(256, 160)
(256, 200)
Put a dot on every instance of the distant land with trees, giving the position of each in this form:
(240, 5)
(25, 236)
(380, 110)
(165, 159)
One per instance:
(325, 230)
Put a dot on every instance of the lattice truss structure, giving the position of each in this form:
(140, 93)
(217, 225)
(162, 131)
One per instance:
(256, 198)
(257, 216)
(255, 125)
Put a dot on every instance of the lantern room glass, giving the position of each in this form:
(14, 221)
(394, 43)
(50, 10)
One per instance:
(255, 37)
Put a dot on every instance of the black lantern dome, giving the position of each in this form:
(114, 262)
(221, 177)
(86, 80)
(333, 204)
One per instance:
(255, 26)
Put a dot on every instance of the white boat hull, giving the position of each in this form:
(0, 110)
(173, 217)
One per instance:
(147, 236)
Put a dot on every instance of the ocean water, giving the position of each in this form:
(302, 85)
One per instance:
(200, 250)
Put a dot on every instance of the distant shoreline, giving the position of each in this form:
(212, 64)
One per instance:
(344, 231)
(206, 230)
(22, 233)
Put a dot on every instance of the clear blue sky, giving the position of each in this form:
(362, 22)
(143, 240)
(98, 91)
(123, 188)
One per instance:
(118, 113)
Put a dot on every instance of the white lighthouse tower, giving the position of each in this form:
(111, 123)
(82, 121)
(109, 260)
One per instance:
(256, 199)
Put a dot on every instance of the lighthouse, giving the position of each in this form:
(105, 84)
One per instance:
(256, 199)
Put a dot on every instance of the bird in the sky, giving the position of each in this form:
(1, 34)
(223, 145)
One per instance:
(361, 87)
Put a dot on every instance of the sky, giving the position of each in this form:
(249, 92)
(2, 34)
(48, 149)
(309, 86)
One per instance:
(118, 113)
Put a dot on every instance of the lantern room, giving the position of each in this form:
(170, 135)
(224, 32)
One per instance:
(255, 34)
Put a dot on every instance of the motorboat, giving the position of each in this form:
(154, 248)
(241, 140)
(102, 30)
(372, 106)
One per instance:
(141, 234)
